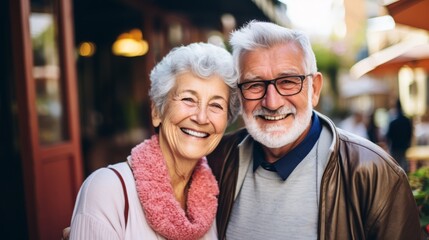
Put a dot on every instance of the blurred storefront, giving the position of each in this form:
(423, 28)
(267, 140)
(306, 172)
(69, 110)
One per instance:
(74, 91)
(414, 13)
(399, 58)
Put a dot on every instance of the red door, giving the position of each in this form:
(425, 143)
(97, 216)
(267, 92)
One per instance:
(45, 75)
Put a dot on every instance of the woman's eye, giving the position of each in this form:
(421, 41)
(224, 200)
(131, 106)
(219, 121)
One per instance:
(188, 100)
(217, 105)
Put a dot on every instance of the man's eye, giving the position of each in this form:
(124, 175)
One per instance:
(254, 85)
(290, 80)
(285, 82)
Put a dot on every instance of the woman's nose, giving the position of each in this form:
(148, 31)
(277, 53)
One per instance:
(200, 115)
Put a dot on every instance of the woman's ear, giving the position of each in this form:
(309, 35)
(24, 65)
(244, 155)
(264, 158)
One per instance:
(156, 118)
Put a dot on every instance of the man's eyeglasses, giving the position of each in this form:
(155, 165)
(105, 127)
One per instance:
(285, 86)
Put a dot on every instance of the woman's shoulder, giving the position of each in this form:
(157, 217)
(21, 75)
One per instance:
(102, 188)
(100, 179)
(99, 206)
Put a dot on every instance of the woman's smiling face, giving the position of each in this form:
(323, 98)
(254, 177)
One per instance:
(194, 118)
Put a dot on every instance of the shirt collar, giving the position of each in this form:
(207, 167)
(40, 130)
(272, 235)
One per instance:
(286, 164)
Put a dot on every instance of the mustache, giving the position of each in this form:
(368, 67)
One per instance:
(281, 111)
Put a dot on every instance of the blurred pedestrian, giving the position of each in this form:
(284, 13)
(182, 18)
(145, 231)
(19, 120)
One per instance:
(399, 135)
(374, 131)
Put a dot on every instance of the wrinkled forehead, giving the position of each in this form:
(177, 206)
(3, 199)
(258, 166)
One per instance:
(273, 62)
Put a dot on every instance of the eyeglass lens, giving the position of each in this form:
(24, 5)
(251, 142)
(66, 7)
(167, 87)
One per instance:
(285, 86)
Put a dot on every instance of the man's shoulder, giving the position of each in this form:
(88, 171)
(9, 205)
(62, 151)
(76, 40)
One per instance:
(230, 140)
(236, 135)
(361, 153)
(226, 149)
(354, 142)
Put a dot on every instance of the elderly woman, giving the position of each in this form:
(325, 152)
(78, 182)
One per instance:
(165, 189)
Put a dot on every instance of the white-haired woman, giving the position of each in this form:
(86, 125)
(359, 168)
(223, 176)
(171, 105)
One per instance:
(165, 189)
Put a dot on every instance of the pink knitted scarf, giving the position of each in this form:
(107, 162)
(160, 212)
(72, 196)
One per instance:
(162, 210)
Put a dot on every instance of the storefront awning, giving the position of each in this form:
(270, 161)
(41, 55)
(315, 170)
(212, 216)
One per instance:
(410, 12)
(415, 53)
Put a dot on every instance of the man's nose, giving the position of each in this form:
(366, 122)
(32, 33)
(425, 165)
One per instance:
(272, 99)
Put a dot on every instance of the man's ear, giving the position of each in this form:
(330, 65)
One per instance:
(317, 88)
(156, 117)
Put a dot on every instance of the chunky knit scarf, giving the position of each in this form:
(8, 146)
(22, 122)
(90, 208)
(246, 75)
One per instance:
(162, 210)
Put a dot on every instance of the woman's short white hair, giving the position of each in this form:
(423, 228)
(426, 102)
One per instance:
(256, 34)
(202, 60)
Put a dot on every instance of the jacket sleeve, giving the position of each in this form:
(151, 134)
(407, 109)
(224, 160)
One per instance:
(398, 218)
(380, 200)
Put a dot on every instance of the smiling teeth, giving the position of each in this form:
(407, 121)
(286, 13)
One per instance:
(274, 118)
(195, 133)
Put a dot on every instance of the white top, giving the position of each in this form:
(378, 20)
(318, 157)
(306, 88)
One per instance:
(99, 209)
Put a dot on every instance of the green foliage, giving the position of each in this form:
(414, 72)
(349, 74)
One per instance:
(329, 63)
(419, 182)
(326, 58)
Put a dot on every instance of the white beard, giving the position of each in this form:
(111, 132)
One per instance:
(274, 135)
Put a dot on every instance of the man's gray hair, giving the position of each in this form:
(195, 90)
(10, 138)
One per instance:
(256, 34)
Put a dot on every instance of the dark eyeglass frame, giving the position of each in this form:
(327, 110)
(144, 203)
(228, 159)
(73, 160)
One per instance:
(273, 81)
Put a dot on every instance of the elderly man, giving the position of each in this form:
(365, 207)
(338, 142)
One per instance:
(292, 174)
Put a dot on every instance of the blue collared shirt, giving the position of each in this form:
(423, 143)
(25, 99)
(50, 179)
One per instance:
(286, 164)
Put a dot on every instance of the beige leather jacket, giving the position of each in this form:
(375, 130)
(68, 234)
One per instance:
(364, 193)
